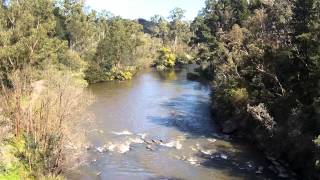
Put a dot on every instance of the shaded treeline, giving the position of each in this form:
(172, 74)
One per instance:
(264, 59)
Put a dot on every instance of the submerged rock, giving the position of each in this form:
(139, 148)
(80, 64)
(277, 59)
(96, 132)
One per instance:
(193, 76)
(171, 144)
(100, 149)
(150, 148)
(207, 151)
(250, 165)
(136, 140)
(277, 168)
(229, 127)
(192, 160)
(88, 147)
(142, 135)
(260, 170)
(273, 169)
(223, 156)
(212, 140)
(147, 141)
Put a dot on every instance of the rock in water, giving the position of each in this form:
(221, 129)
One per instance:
(192, 161)
(260, 170)
(149, 148)
(193, 76)
(88, 147)
(229, 127)
(273, 169)
(223, 156)
(212, 140)
(147, 141)
(100, 149)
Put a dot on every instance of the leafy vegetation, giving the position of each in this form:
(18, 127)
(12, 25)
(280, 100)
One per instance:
(175, 35)
(166, 59)
(264, 59)
(49, 51)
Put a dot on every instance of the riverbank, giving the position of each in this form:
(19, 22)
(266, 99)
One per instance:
(239, 128)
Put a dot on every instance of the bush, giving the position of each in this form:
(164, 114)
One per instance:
(184, 59)
(94, 74)
(39, 114)
(121, 75)
(166, 59)
(238, 96)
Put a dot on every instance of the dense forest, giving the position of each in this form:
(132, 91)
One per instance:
(262, 57)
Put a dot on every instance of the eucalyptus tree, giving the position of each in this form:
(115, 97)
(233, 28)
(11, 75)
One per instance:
(28, 36)
(179, 29)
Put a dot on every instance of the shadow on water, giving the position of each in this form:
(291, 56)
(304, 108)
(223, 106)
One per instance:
(243, 164)
(191, 114)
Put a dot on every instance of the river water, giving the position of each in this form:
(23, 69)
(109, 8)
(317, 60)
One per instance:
(159, 126)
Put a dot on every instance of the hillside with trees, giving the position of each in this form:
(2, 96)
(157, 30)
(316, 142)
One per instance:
(264, 59)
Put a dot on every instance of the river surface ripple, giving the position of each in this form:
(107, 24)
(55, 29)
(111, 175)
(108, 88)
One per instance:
(159, 126)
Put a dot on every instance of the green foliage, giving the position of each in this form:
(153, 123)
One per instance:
(95, 74)
(11, 166)
(16, 154)
(166, 59)
(28, 40)
(238, 96)
(264, 59)
(119, 45)
(121, 75)
(175, 33)
(117, 51)
(184, 58)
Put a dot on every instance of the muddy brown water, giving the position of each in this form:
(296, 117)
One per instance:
(159, 126)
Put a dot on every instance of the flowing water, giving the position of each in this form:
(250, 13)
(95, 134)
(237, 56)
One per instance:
(159, 126)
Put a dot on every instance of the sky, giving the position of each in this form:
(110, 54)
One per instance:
(134, 9)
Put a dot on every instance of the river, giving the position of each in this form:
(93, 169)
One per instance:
(159, 126)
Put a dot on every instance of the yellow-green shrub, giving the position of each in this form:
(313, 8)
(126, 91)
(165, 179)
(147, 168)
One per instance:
(166, 58)
(238, 96)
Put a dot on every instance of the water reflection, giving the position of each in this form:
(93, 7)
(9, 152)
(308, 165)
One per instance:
(170, 75)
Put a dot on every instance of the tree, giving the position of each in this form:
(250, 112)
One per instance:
(160, 28)
(28, 36)
(77, 27)
(264, 58)
(116, 52)
(119, 45)
(307, 59)
(179, 30)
